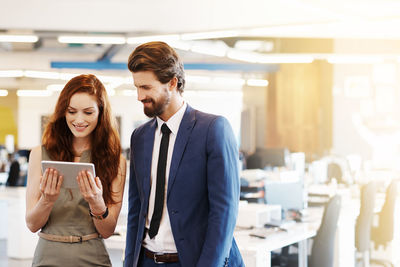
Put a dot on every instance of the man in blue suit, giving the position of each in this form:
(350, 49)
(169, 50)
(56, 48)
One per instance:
(184, 178)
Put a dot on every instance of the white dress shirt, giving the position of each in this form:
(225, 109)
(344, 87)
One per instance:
(164, 240)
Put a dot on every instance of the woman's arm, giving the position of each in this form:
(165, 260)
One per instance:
(92, 190)
(41, 192)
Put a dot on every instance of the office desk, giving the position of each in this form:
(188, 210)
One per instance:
(21, 242)
(256, 252)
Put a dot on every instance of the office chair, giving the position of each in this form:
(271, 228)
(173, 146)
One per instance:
(13, 174)
(322, 251)
(364, 223)
(382, 234)
(335, 172)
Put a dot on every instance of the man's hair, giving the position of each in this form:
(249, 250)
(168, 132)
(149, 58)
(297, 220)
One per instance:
(159, 58)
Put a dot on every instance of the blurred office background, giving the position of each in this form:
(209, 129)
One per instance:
(310, 87)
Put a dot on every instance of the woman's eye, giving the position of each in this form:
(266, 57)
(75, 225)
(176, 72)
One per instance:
(71, 112)
(88, 113)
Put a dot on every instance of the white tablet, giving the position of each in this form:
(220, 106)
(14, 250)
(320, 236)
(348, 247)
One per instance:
(69, 170)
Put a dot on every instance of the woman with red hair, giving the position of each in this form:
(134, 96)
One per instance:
(73, 221)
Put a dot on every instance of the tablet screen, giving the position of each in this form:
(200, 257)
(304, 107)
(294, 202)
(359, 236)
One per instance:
(69, 170)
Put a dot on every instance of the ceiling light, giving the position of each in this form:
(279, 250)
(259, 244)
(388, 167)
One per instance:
(151, 38)
(3, 92)
(11, 73)
(42, 74)
(181, 45)
(284, 58)
(209, 35)
(254, 45)
(355, 59)
(257, 82)
(33, 93)
(8, 38)
(242, 55)
(91, 39)
(212, 49)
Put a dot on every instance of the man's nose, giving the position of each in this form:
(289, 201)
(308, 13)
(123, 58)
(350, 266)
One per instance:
(140, 95)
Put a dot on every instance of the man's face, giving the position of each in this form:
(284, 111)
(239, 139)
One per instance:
(154, 95)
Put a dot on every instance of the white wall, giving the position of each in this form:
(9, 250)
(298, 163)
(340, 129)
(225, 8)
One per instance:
(366, 106)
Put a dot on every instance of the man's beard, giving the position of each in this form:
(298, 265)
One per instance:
(157, 108)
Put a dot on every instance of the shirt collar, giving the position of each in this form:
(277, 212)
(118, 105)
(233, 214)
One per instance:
(173, 122)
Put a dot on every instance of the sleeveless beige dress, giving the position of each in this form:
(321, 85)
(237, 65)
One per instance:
(70, 216)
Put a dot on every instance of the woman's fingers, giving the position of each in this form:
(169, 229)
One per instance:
(81, 184)
(98, 183)
(44, 179)
(59, 183)
(91, 180)
(86, 179)
(52, 180)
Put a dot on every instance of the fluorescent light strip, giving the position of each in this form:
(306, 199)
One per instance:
(282, 59)
(42, 74)
(257, 82)
(181, 45)
(3, 92)
(91, 39)
(254, 57)
(212, 50)
(34, 93)
(209, 35)
(11, 73)
(150, 38)
(243, 55)
(354, 59)
(8, 38)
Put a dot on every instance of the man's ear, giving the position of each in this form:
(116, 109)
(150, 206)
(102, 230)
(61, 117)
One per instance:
(173, 83)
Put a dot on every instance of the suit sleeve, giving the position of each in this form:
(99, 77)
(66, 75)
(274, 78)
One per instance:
(223, 193)
(133, 212)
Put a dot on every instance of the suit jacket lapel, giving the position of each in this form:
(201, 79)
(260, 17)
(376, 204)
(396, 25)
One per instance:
(182, 138)
(147, 156)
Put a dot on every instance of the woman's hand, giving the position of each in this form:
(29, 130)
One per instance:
(50, 184)
(92, 191)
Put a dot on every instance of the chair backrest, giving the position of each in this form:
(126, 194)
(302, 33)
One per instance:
(13, 175)
(383, 233)
(335, 171)
(364, 219)
(322, 253)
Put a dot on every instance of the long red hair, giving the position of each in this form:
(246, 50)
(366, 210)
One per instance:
(105, 143)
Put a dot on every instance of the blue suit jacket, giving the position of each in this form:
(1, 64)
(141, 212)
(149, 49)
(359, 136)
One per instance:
(203, 191)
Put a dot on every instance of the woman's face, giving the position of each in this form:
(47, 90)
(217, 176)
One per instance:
(82, 114)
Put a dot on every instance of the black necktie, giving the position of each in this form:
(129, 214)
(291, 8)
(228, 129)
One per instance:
(160, 186)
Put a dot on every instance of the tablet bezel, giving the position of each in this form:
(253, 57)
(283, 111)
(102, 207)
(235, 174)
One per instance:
(69, 170)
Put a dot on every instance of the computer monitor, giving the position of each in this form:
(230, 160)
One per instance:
(268, 157)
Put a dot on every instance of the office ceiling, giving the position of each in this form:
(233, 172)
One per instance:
(252, 19)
